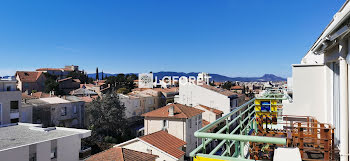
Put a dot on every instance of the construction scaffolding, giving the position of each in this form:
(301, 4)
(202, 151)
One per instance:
(254, 130)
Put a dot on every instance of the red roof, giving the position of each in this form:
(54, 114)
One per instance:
(122, 154)
(237, 87)
(180, 111)
(75, 80)
(217, 112)
(166, 142)
(25, 76)
(54, 69)
(205, 122)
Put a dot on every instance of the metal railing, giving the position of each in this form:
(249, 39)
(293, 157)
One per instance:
(233, 136)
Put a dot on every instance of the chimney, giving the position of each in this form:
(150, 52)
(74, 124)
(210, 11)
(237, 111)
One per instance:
(171, 110)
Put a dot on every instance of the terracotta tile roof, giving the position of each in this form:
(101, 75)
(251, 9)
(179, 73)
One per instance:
(237, 87)
(216, 111)
(47, 69)
(166, 142)
(54, 69)
(180, 111)
(26, 96)
(122, 154)
(218, 90)
(205, 123)
(41, 95)
(86, 85)
(28, 76)
(166, 90)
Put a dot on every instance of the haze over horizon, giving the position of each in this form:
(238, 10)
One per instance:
(180, 36)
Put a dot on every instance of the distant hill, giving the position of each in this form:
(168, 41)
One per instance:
(215, 77)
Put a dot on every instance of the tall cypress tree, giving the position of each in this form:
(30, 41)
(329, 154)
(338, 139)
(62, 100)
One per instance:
(97, 73)
(102, 75)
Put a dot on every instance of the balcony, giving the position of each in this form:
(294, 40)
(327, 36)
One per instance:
(254, 132)
(14, 113)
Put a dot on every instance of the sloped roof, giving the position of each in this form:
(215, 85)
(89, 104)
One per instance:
(65, 79)
(237, 87)
(205, 123)
(122, 154)
(28, 76)
(218, 90)
(166, 142)
(216, 111)
(83, 91)
(180, 111)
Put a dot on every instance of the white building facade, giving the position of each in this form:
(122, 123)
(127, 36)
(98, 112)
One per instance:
(10, 102)
(321, 82)
(33, 143)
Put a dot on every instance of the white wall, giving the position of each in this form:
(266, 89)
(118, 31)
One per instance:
(309, 92)
(17, 154)
(142, 147)
(193, 95)
(68, 148)
(43, 151)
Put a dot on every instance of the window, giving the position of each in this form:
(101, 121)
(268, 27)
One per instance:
(165, 123)
(190, 122)
(63, 111)
(32, 157)
(195, 121)
(75, 109)
(14, 104)
(8, 88)
(53, 153)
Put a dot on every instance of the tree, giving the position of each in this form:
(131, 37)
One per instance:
(227, 85)
(97, 73)
(102, 75)
(51, 84)
(107, 119)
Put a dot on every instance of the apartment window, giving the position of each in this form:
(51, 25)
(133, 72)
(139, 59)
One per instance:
(190, 122)
(75, 109)
(14, 105)
(53, 154)
(32, 157)
(63, 111)
(165, 123)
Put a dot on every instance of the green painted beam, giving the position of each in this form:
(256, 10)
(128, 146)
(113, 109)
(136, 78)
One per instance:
(245, 138)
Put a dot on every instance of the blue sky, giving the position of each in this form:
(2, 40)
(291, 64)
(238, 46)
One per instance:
(229, 37)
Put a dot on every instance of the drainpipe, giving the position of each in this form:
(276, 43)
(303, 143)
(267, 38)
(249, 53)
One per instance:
(344, 117)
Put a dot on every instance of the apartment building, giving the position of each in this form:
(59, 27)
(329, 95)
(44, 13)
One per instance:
(321, 82)
(10, 101)
(164, 145)
(54, 111)
(28, 81)
(192, 94)
(209, 114)
(60, 72)
(31, 142)
(178, 120)
(69, 84)
(140, 102)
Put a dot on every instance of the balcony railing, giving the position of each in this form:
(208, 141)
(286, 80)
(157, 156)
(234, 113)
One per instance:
(249, 133)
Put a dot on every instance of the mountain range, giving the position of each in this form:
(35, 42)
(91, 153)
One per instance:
(215, 77)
